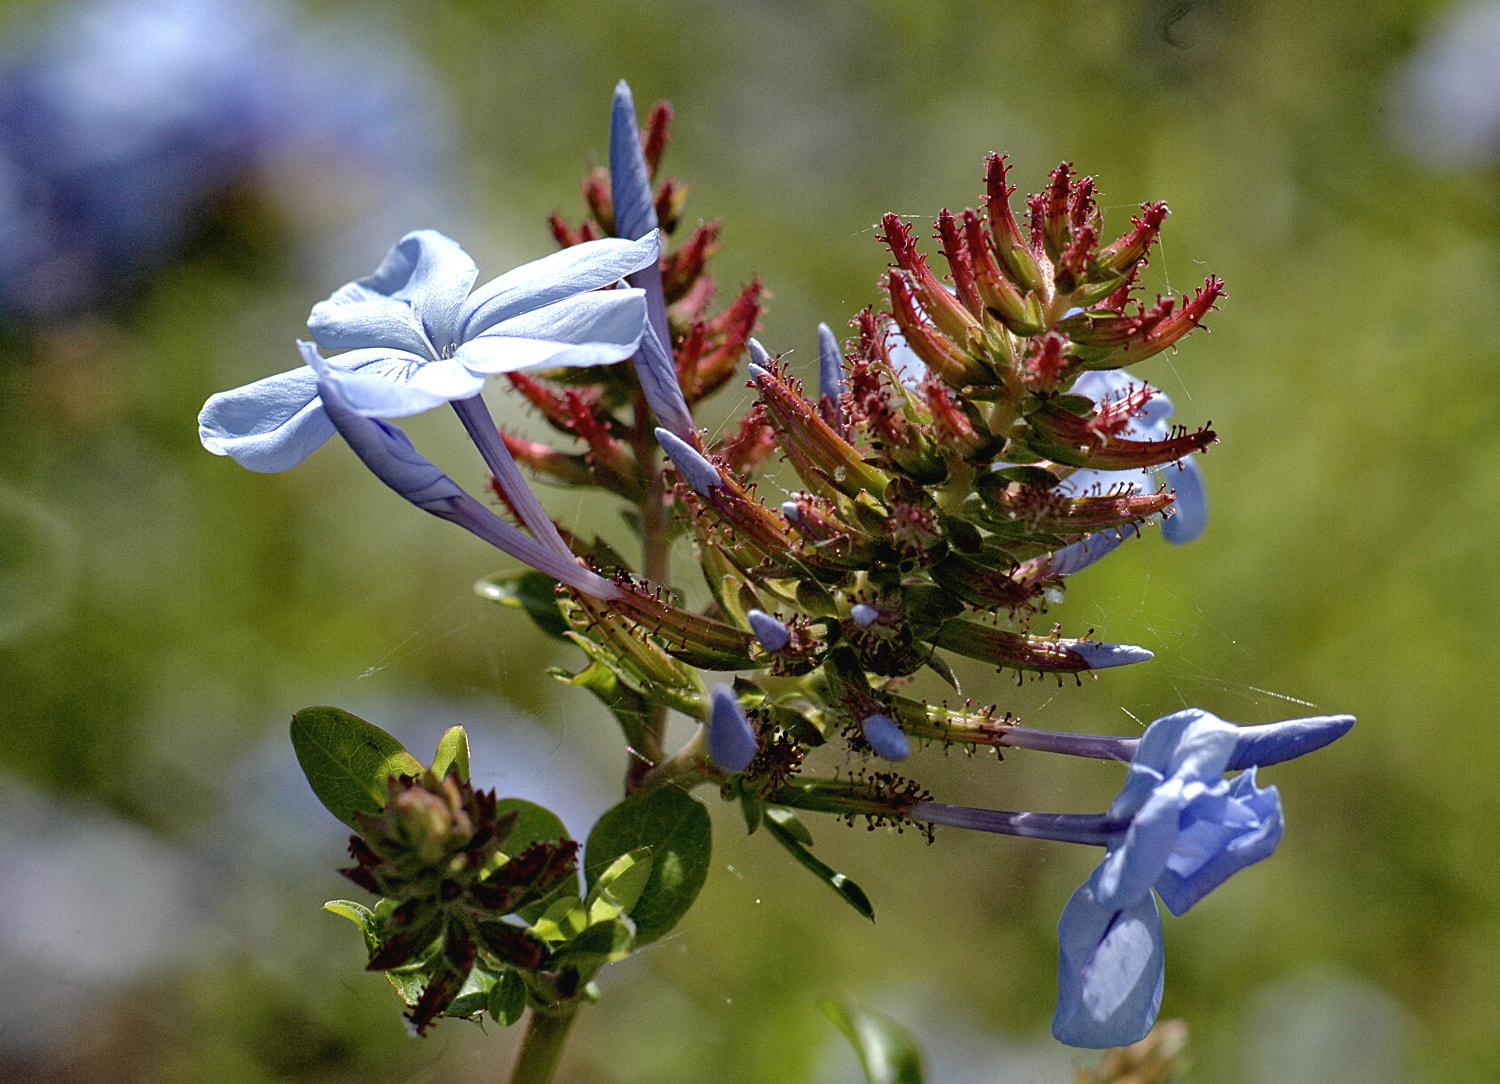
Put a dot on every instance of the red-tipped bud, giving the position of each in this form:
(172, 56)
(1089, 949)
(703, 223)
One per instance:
(1045, 363)
(939, 353)
(548, 402)
(960, 265)
(955, 427)
(1112, 342)
(1021, 314)
(727, 335)
(567, 235)
(613, 466)
(680, 269)
(1041, 654)
(820, 456)
(657, 134)
(545, 460)
(940, 306)
(1124, 255)
(599, 199)
(1011, 247)
(1065, 437)
(1051, 218)
(752, 443)
(671, 198)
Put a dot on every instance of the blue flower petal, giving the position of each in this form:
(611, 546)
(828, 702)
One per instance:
(1272, 743)
(271, 425)
(412, 301)
(1110, 971)
(386, 384)
(629, 175)
(575, 270)
(596, 328)
(1189, 518)
(1218, 840)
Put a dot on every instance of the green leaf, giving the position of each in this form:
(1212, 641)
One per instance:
(361, 916)
(852, 894)
(601, 943)
(507, 998)
(474, 997)
(615, 891)
(347, 760)
(564, 920)
(887, 1052)
(676, 828)
(534, 824)
(452, 753)
(532, 591)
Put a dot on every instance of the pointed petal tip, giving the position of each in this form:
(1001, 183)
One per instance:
(697, 471)
(1101, 656)
(1272, 743)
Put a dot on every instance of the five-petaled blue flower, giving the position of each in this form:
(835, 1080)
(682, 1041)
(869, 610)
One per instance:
(414, 336)
(1178, 827)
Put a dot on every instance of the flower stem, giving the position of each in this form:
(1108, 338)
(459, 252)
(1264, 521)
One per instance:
(541, 1047)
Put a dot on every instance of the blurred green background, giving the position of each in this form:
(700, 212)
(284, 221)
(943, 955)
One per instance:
(164, 611)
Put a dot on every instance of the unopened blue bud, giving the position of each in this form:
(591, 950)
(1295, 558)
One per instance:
(1102, 656)
(864, 615)
(772, 634)
(732, 742)
(699, 473)
(887, 739)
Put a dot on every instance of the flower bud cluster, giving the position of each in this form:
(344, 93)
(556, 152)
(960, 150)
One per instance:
(434, 854)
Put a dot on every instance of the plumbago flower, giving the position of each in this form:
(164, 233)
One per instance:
(1178, 827)
(966, 451)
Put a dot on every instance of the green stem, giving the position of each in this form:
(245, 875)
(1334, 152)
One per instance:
(655, 559)
(541, 1047)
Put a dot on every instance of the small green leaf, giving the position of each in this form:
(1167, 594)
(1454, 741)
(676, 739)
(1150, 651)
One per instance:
(474, 997)
(601, 943)
(790, 823)
(615, 891)
(452, 753)
(563, 921)
(361, 916)
(507, 998)
(675, 826)
(347, 760)
(887, 1052)
(534, 592)
(852, 894)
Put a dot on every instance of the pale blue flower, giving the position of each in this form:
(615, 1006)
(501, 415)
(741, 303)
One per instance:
(1178, 828)
(415, 337)
(391, 457)
(772, 634)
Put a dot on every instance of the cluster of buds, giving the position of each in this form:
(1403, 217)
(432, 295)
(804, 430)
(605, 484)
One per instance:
(435, 853)
(969, 449)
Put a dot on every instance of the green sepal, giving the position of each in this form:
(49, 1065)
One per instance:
(886, 1050)
(753, 809)
(790, 823)
(850, 892)
(507, 998)
(631, 710)
(676, 828)
(361, 916)
(347, 761)
(529, 590)
(452, 754)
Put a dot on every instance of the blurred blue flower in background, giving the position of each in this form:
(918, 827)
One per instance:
(1446, 98)
(125, 119)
